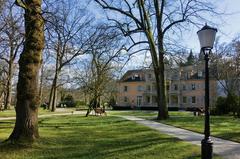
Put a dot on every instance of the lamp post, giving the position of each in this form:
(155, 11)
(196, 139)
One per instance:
(206, 38)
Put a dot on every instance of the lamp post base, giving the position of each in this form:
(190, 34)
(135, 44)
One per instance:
(207, 148)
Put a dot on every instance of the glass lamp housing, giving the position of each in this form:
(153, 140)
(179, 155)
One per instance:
(206, 37)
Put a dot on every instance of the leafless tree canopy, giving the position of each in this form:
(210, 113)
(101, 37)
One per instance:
(225, 65)
(106, 52)
(11, 43)
(152, 25)
(68, 32)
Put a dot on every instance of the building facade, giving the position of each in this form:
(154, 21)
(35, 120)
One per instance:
(185, 88)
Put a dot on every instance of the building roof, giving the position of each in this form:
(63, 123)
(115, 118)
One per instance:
(133, 76)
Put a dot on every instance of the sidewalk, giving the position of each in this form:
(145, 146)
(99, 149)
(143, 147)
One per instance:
(226, 149)
(47, 115)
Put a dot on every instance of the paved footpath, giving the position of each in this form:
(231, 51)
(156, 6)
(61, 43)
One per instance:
(226, 149)
(47, 115)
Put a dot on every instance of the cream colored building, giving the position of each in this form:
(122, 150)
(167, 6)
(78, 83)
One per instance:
(137, 89)
(185, 88)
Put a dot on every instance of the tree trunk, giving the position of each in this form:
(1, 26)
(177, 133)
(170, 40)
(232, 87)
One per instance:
(53, 93)
(162, 111)
(54, 102)
(1, 100)
(9, 86)
(93, 104)
(157, 55)
(26, 125)
(158, 67)
(50, 99)
(41, 86)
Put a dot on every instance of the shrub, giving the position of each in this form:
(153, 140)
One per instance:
(44, 105)
(221, 106)
(234, 102)
(80, 103)
(225, 105)
(112, 102)
(68, 101)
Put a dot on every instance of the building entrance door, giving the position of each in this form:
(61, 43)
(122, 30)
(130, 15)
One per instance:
(139, 101)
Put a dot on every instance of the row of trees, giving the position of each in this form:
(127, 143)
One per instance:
(71, 34)
(11, 43)
(56, 39)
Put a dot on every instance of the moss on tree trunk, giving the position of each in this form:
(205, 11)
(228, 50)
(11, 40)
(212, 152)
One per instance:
(26, 126)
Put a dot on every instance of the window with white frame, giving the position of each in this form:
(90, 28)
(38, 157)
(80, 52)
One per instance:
(184, 99)
(175, 87)
(184, 87)
(148, 99)
(193, 99)
(125, 88)
(193, 86)
(139, 88)
(125, 99)
(149, 76)
(148, 88)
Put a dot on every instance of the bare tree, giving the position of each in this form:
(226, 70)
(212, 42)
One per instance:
(2, 3)
(225, 67)
(44, 74)
(2, 83)
(11, 43)
(154, 23)
(106, 49)
(26, 125)
(68, 30)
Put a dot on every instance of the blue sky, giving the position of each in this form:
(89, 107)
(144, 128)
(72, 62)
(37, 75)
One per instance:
(227, 29)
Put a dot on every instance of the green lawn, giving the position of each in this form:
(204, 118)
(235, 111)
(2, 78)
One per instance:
(138, 113)
(150, 114)
(7, 113)
(225, 127)
(96, 138)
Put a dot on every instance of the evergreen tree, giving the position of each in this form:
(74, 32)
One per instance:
(190, 59)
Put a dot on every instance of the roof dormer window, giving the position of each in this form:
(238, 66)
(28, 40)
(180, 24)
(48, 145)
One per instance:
(135, 76)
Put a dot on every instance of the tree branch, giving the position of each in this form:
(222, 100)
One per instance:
(21, 4)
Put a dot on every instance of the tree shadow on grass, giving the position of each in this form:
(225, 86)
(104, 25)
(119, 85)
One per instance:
(100, 139)
(101, 147)
(112, 148)
(8, 147)
(233, 136)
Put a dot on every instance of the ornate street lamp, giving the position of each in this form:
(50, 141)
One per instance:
(206, 38)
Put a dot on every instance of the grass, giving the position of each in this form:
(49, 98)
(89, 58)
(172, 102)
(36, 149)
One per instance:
(150, 114)
(138, 113)
(226, 127)
(7, 113)
(96, 137)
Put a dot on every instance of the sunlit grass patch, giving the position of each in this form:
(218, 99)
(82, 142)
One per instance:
(99, 138)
